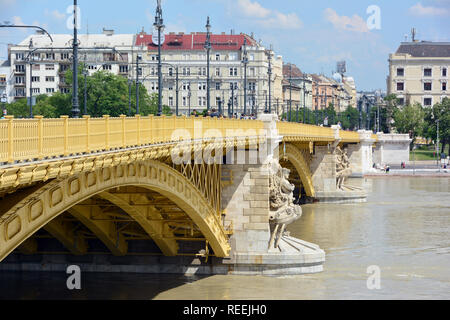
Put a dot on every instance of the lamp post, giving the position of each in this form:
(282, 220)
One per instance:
(138, 57)
(437, 145)
(159, 25)
(31, 78)
(245, 62)
(189, 98)
(208, 50)
(269, 72)
(75, 102)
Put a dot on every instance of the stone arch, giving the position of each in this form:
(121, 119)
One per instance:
(34, 211)
(292, 154)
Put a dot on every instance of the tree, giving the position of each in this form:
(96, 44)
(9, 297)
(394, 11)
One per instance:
(410, 120)
(391, 108)
(441, 112)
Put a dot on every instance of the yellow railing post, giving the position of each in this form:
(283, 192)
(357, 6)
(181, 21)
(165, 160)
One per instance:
(138, 119)
(88, 132)
(66, 135)
(106, 119)
(40, 136)
(10, 138)
(152, 129)
(123, 117)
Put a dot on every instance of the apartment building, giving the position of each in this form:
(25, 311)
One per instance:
(42, 63)
(339, 91)
(5, 81)
(297, 87)
(186, 54)
(418, 72)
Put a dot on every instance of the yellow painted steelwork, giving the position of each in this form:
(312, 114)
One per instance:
(59, 195)
(298, 159)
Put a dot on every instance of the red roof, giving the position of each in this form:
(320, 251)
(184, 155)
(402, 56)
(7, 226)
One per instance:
(196, 41)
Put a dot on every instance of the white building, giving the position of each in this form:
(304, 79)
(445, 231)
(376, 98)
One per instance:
(50, 60)
(5, 81)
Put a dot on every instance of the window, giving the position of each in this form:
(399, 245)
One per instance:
(170, 72)
(36, 90)
(218, 101)
(49, 67)
(19, 93)
(217, 85)
(20, 80)
(427, 101)
(106, 67)
(19, 56)
(62, 90)
(202, 86)
(154, 86)
(170, 101)
(184, 101)
(233, 56)
(400, 86)
(427, 86)
(401, 101)
(218, 72)
(52, 90)
(49, 79)
(252, 72)
(64, 56)
(444, 86)
(92, 67)
(233, 72)
(427, 72)
(50, 56)
(186, 71)
(252, 86)
(123, 69)
(217, 57)
(400, 72)
(36, 67)
(251, 57)
(64, 67)
(20, 68)
(233, 85)
(444, 72)
(35, 79)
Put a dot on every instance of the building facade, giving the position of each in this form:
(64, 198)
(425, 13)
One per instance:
(297, 88)
(186, 54)
(42, 63)
(418, 72)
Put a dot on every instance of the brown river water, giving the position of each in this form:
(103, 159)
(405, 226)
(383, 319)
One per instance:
(404, 229)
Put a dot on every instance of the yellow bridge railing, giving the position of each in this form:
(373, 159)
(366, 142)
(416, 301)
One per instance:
(305, 130)
(38, 138)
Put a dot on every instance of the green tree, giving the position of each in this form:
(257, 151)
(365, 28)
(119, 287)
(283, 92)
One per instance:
(441, 112)
(410, 120)
(390, 109)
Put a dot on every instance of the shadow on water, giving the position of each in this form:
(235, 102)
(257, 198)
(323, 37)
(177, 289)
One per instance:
(94, 286)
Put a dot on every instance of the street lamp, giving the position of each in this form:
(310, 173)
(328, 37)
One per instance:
(31, 77)
(269, 72)
(138, 58)
(85, 74)
(208, 50)
(159, 25)
(130, 82)
(245, 62)
(75, 103)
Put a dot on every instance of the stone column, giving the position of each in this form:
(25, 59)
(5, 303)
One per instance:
(360, 155)
(323, 169)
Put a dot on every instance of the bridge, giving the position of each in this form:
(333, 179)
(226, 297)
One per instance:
(195, 188)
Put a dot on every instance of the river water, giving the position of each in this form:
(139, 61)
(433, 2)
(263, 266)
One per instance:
(404, 229)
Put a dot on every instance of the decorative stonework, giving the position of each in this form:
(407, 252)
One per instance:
(343, 170)
(283, 211)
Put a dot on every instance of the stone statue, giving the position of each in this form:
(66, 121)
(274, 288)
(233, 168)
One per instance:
(283, 211)
(343, 170)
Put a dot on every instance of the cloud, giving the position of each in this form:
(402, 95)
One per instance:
(253, 9)
(419, 10)
(279, 20)
(16, 20)
(355, 23)
(267, 18)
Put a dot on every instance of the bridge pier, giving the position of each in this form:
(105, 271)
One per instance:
(361, 154)
(246, 201)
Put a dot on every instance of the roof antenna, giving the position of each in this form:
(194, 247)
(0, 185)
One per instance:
(413, 34)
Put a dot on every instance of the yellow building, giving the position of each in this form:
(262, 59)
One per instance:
(418, 72)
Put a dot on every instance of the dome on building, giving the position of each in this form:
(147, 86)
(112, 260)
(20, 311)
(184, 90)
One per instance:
(337, 77)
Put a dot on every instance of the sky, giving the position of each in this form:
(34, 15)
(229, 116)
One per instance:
(314, 35)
